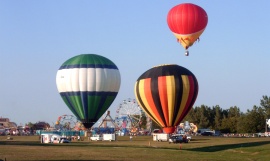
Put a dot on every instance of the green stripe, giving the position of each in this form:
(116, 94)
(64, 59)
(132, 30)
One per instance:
(88, 59)
(76, 102)
(93, 103)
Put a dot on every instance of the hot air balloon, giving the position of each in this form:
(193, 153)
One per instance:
(187, 21)
(88, 84)
(166, 93)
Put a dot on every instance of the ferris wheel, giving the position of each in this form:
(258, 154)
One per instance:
(128, 114)
(66, 122)
(268, 122)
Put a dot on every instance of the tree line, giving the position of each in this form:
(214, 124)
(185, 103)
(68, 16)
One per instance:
(231, 120)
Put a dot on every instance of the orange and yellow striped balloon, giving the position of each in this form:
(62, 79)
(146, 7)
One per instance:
(167, 93)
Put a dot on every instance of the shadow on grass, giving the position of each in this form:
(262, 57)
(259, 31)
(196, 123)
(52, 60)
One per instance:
(6, 159)
(30, 143)
(216, 148)
(73, 144)
(199, 139)
(213, 148)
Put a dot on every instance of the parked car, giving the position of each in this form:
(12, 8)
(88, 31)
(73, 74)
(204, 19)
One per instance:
(64, 140)
(96, 137)
(178, 139)
(207, 133)
(187, 136)
(156, 131)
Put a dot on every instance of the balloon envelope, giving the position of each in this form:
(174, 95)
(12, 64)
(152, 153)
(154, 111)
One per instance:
(187, 21)
(167, 93)
(88, 84)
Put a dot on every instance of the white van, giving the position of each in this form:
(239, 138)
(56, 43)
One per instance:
(160, 137)
(45, 138)
(109, 137)
(59, 139)
(53, 138)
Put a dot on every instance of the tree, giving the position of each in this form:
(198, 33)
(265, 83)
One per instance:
(218, 117)
(255, 120)
(234, 112)
(155, 125)
(265, 103)
(196, 116)
(190, 117)
(243, 124)
(204, 117)
(29, 124)
(229, 123)
(143, 121)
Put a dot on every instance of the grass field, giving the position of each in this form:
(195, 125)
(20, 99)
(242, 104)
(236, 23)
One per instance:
(140, 148)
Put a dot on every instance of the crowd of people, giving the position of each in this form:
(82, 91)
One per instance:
(16, 131)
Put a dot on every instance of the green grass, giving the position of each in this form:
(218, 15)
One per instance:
(140, 148)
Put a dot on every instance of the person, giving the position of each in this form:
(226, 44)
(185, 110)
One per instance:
(79, 138)
(89, 135)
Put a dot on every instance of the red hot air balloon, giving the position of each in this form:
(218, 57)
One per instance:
(167, 93)
(187, 21)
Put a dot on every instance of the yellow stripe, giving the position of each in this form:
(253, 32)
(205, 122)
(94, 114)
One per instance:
(189, 39)
(170, 95)
(186, 90)
(144, 100)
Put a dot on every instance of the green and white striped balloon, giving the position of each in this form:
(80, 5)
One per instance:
(88, 84)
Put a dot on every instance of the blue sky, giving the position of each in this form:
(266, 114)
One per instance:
(231, 62)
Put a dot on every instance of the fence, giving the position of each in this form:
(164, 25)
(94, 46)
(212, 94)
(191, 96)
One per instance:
(62, 133)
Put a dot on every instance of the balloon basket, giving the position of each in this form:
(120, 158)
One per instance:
(169, 130)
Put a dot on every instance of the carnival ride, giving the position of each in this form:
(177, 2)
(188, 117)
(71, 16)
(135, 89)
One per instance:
(67, 123)
(107, 121)
(267, 127)
(128, 116)
(187, 127)
(268, 123)
(106, 125)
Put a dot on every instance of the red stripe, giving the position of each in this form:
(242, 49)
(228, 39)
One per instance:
(190, 96)
(162, 90)
(149, 98)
